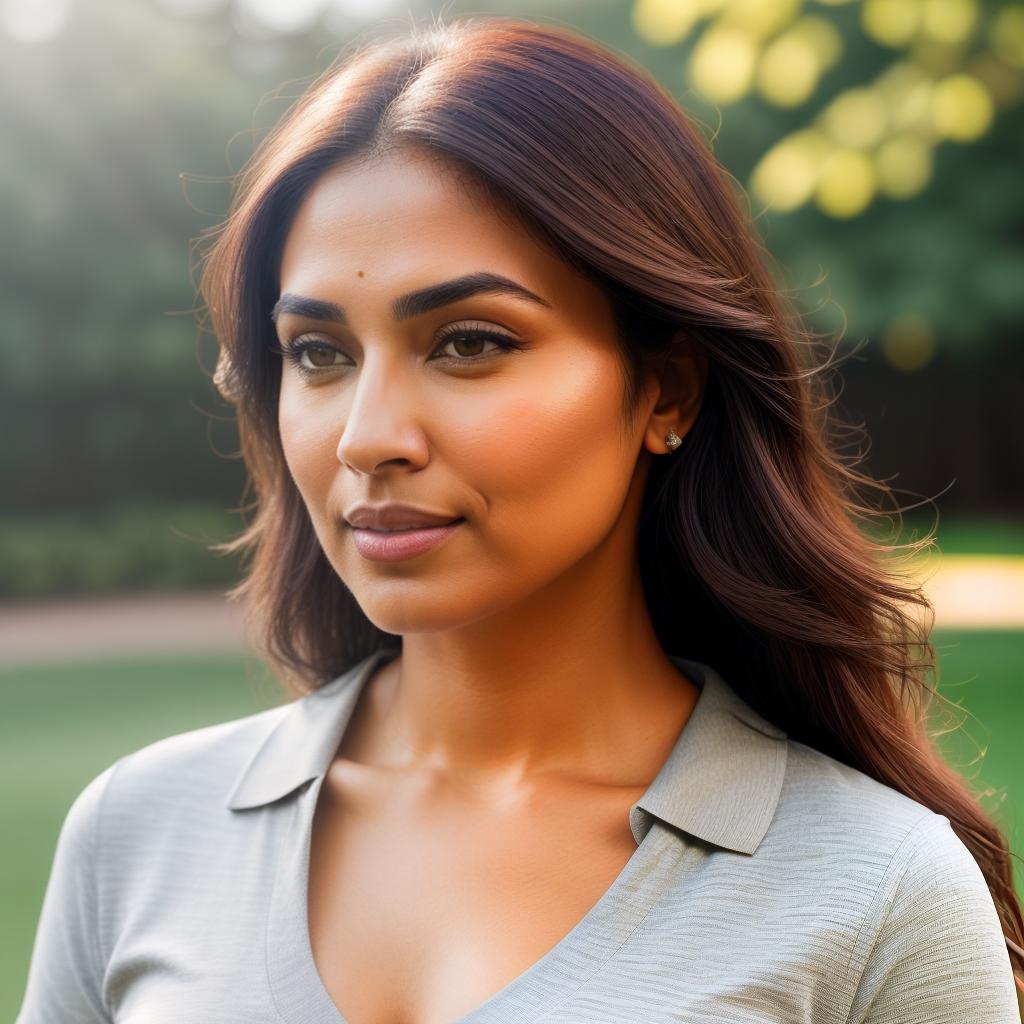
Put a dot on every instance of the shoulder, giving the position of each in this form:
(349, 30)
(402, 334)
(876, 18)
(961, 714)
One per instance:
(932, 951)
(873, 849)
(851, 813)
(863, 842)
(179, 776)
(926, 888)
(921, 918)
(198, 758)
(152, 831)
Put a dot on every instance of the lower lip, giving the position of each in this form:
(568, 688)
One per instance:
(379, 546)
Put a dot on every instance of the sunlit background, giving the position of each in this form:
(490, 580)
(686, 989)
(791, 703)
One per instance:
(877, 142)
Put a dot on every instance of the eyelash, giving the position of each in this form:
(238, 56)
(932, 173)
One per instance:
(294, 349)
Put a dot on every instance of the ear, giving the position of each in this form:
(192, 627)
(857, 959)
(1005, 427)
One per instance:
(678, 381)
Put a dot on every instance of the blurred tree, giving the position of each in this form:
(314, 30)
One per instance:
(876, 137)
(895, 183)
(846, 111)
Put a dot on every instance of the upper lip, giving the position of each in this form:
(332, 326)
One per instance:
(394, 516)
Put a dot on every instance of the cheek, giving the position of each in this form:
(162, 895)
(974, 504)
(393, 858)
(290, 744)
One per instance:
(307, 441)
(551, 461)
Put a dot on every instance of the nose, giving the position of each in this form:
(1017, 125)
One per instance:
(381, 427)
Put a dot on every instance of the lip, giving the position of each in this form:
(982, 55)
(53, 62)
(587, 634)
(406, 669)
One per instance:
(394, 516)
(394, 546)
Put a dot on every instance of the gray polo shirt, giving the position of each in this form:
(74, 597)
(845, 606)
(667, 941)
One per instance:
(770, 883)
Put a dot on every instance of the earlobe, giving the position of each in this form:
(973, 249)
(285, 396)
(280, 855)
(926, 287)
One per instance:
(681, 380)
(665, 434)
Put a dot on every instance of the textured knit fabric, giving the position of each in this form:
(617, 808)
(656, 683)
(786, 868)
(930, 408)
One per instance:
(770, 883)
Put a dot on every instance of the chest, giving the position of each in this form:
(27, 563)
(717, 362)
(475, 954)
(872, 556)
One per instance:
(420, 919)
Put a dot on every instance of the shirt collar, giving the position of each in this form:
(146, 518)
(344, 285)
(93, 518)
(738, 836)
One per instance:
(721, 781)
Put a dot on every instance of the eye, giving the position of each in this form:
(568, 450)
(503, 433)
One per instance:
(298, 350)
(457, 335)
(321, 357)
(312, 356)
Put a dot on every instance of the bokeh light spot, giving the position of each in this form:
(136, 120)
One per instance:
(856, 118)
(665, 22)
(891, 22)
(722, 65)
(903, 165)
(785, 176)
(950, 21)
(821, 36)
(760, 17)
(788, 71)
(962, 108)
(909, 341)
(906, 90)
(846, 184)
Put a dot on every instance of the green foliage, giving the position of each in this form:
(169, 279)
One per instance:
(122, 133)
(881, 153)
(132, 547)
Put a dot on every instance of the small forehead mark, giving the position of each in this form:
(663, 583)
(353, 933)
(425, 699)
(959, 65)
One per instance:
(360, 273)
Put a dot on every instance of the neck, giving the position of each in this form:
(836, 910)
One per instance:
(576, 683)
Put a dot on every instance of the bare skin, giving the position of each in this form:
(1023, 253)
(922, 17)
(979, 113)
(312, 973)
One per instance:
(477, 807)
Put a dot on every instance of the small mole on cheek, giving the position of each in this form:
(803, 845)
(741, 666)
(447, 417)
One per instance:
(360, 273)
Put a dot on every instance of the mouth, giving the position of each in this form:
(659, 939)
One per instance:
(409, 529)
(393, 545)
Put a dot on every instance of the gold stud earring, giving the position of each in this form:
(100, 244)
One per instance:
(673, 440)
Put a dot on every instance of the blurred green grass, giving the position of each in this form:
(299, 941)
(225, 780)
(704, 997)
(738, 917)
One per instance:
(962, 535)
(62, 725)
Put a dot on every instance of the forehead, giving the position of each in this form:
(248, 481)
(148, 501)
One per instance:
(411, 218)
(368, 206)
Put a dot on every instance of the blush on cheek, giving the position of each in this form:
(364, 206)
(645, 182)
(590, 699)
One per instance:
(554, 424)
(563, 470)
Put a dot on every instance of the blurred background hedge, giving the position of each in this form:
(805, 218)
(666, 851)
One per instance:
(880, 146)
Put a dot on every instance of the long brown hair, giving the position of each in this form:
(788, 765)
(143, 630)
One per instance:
(752, 540)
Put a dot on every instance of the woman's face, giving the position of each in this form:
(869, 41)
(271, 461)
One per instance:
(525, 443)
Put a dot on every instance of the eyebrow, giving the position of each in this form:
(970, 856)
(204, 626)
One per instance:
(412, 303)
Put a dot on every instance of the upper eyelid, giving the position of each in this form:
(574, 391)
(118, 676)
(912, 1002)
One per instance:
(483, 326)
(474, 325)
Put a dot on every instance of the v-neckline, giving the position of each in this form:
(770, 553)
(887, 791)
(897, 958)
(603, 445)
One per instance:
(301, 997)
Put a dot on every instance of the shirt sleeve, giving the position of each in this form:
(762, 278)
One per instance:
(940, 956)
(65, 976)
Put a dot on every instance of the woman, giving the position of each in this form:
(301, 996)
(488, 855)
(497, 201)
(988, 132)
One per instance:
(607, 709)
